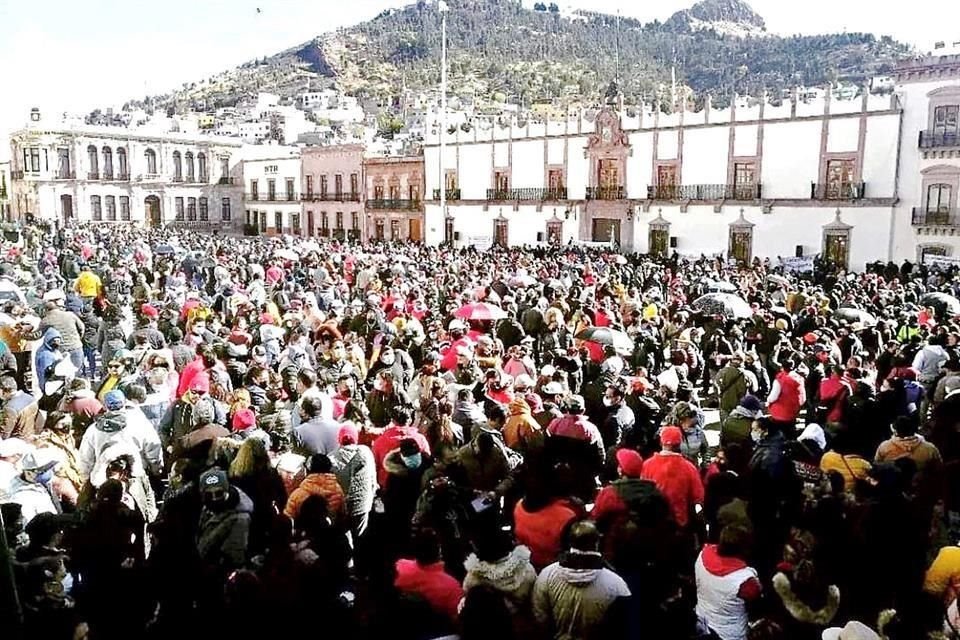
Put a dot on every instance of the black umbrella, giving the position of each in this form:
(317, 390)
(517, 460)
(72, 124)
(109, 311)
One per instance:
(943, 303)
(855, 315)
(723, 304)
(606, 336)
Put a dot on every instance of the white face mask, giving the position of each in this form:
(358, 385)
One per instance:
(388, 359)
(607, 402)
(756, 435)
(198, 329)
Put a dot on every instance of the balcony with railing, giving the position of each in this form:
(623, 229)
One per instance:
(226, 181)
(107, 175)
(177, 179)
(333, 197)
(125, 177)
(393, 204)
(93, 175)
(65, 175)
(606, 193)
(16, 175)
(942, 217)
(838, 191)
(255, 197)
(533, 194)
(938, 139)
(706, 192)
(452, 194)
(293, 197)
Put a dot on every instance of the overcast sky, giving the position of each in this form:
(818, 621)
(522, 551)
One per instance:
(68, 55)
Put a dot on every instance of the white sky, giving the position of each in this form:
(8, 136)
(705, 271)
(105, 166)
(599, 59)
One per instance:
(69, 55)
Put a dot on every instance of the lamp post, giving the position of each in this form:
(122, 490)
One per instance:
(442, 8)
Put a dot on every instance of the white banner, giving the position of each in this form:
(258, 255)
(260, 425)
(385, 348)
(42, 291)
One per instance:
(940, 262)
(803, 264)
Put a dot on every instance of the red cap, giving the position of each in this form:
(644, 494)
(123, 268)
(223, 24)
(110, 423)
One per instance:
(671, 436)
(811, 338)
(244, 419)
(630, 462)
(149, 310)
(200, 383)
(266, 318)
(348, 434)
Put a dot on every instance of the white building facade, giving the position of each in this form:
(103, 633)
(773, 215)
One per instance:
(929, 227)
(272, 198)
(796, 178)
(93, 174)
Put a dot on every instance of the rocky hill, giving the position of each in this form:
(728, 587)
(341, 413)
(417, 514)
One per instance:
(502, 51)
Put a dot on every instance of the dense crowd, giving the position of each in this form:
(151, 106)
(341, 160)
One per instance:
(259, 437)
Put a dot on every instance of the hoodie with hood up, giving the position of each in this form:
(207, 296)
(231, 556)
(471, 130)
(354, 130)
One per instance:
(521, 432)
(571, 597)
(513, 576)
(46, 356)
(122, 426)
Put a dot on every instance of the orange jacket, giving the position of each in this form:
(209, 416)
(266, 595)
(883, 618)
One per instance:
(316, 484)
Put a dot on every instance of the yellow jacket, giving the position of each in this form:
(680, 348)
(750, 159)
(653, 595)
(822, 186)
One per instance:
(88, 285)
(943, 576)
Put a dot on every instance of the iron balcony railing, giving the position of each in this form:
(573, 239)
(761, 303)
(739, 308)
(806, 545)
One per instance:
(936, 217)
(935, 139)
(226, 180)
(332, 197)
(66, 175)
(704, 192)
(271, 197)
(606, 193)
(534, 194)
(177, 178)
(107, 175)
(93, 175)
(452, 194)
(838, 191)
(188, 180)
(293, 197)
(394, 204)
(16, 175)
(252, 196)
(123, 176)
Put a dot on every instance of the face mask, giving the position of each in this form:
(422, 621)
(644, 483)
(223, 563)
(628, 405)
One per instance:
(412, 462)
(388, 359)
(607, 402)
(756, 436)
(45, 477)
(198, 329)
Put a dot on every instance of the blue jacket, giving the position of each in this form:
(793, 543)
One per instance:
(46, 355)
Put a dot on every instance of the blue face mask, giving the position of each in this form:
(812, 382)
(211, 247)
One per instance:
(412, 462)
(45, 477)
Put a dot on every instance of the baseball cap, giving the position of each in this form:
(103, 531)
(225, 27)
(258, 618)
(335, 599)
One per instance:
(853, 630)
(671, 436)
(348, 434)
(553, 388)
(114, 400)
(243, 419)
(54, 295)
(214, 480)
(630, 462)
(575, 403)
(39, 460)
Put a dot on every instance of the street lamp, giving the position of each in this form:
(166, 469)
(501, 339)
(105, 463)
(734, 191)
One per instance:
(443, 9)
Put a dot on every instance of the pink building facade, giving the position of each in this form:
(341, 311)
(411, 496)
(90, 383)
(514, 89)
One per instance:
(394, 198)
(333, 191)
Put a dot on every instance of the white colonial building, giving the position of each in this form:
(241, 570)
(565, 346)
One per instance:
(109, 174)
(929, 224)
(850, 179)
(272, 200)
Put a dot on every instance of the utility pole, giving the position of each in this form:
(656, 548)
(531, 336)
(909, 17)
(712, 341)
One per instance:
(442, 7)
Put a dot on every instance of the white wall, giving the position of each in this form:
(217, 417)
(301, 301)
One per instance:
(475, 167)
(639, 165)
(879, 154)
(475, 225)
(843, 135)
(667, 145)
(528, 166)
(791, 158)
(705, 155)
(745, 140)
(577, 168)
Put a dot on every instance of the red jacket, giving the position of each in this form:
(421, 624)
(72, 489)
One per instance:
(833, 393)
(390, 440)
(786, 407)
(542, 531)
(441, 591)
(678, 481)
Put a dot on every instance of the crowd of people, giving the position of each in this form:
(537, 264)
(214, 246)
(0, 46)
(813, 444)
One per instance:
(266, 436)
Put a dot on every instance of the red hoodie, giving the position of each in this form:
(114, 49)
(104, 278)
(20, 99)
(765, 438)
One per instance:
(441, 590)
(678, 481)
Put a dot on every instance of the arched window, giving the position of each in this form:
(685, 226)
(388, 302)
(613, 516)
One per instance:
(177, 167)
(189, 158)
(202, 166)
(122, 163)
(94, 160)
(151, 157)
(107, 163)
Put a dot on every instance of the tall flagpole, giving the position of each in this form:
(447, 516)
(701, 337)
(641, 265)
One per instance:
(442, 7)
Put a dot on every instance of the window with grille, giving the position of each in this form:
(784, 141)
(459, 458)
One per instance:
(225, 213)
(125, 208)
(204, 213)
(191, 209)
(111, 203)
(278, 220)
(96, 214)
(178, 209)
